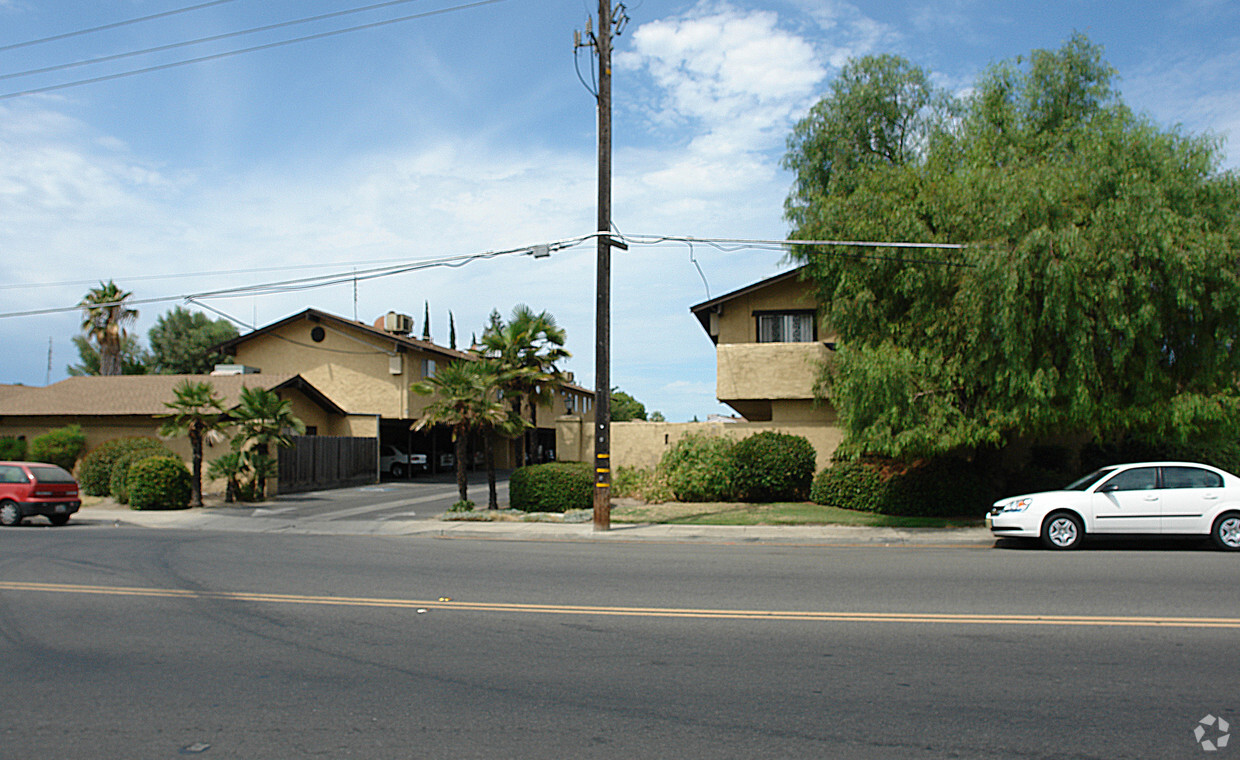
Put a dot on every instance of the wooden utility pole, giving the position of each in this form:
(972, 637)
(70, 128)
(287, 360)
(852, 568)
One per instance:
(602, 319)
(601, 45)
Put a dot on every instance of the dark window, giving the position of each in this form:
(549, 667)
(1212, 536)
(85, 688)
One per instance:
(46, 474)
(785, 327)
(1190, 477)
(11, 474)
(1140, 479)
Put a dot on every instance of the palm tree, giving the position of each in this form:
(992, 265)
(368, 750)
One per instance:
(263, 419)
(197, 413)
(526, 348)
(104, 319)
(465, 399)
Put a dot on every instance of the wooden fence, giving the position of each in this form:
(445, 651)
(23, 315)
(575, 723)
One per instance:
(316, 462)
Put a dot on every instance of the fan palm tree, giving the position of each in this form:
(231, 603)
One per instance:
(197, 413)
(465, 400)
(263, 420)
(526, 348)
(105, 318)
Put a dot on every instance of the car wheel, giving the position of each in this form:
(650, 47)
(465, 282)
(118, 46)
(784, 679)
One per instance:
(1226, 532)
(397, 470)
(10, 513)
(59, 519)
(1062, 531)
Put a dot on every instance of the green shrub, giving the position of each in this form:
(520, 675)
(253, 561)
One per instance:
(552, 487)
(848, 485)
(61, 446)
(699, 468)
(118, 486)
(12, 449)
(1224, 454)
(773, 466)
(95, 474)
(159, 482)
(649, 485)
(942, 487)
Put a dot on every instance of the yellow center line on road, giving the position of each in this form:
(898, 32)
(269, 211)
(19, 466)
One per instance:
(657, 612)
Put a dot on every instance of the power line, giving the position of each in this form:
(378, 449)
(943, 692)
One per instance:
(201, 40)
(113, 25)
(230, 53)
(392, 267)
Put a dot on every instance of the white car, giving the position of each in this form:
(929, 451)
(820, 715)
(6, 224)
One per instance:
(397, 463)
(1160, 498)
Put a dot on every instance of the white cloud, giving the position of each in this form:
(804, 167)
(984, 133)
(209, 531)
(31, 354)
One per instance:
(734, 74)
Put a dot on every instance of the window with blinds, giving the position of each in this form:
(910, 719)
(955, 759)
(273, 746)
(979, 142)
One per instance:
(786, 327)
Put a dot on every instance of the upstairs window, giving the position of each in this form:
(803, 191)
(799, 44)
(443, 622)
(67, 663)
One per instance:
(786, 327)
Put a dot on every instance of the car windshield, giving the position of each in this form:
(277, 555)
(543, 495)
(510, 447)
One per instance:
(1080, 484)
(51, 474)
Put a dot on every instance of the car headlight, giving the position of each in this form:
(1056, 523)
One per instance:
(1017, 505)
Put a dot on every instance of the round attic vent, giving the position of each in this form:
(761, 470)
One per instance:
(318, 334)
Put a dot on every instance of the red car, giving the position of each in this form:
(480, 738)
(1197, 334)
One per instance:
(32, 488)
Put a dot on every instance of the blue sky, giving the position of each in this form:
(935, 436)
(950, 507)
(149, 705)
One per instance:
(469, 131)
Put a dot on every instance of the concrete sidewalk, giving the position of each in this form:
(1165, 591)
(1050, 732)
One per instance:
(251, 519)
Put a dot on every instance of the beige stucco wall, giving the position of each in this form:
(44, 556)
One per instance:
(642, 444)
(767, 370)
(736, 318)
(355, 370)
(352, 369)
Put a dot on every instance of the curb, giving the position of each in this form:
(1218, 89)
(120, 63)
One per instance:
(250, 520)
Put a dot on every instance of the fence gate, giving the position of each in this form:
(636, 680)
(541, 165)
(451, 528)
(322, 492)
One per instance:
(316, 462)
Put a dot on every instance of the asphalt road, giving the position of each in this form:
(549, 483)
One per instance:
(140, 643)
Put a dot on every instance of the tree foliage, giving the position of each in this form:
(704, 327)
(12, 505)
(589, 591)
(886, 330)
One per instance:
(466, 399)
(198, 414)
(625, 408)
(135, 360)
(106, 317)
(526, 350)
(181, 341)
(1098, 290)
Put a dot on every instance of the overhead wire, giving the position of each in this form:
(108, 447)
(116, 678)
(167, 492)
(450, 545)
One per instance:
(112, 25)
(203, 40)
(255, 48)
(406, 266)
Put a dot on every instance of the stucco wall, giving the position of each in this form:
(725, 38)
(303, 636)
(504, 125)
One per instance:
(642, 444)
(767, 370)
(737, 323)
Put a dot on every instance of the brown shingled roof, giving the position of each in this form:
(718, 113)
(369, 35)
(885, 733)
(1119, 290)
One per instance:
(127, 394)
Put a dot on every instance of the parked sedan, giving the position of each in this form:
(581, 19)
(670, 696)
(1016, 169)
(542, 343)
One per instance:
(1159, 498)
(398, 464)
(31, 488)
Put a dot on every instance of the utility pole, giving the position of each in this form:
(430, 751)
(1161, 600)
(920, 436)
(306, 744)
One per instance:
(602, 320)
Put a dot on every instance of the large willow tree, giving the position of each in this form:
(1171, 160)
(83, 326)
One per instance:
(1098, 294)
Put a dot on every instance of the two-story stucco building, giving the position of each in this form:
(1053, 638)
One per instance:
(770, 347)
(368, 370)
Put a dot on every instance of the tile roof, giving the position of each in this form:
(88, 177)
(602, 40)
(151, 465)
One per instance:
(122, 394)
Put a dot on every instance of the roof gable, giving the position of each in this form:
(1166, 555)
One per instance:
(142, 395)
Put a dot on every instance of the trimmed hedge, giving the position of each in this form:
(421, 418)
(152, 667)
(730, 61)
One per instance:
(848, 485)
(61, 446)
(772, 466)
(95, 474)
(699, 467)
(943, 487)
(159, 482)
(552, 487)
(12, 449)
(118, 486)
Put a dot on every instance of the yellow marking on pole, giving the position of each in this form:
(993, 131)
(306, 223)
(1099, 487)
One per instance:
(658, 612)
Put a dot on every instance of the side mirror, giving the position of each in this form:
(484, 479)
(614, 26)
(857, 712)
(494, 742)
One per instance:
(1108, 488)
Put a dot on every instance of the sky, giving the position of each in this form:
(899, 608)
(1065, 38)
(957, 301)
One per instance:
(469, 130)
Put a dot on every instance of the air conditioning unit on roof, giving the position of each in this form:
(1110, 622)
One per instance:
(401, 324)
